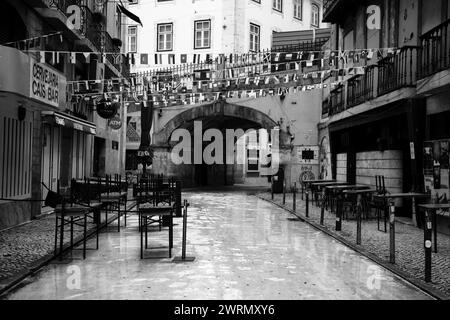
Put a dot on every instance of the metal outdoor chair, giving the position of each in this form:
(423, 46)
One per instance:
(380, 203)
(150, 212)
(69, 214)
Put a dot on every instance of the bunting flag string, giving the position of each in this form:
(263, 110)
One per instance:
(26, 44)
(178, 99)
(206, 77)
(141, 87)
(234, 59)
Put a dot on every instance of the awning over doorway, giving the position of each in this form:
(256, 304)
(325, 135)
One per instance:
(68, 121)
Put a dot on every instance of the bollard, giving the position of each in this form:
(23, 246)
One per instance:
(392, 232)
(294, 197)
(427, 228)
(178, 213)
(338, 213)
(322, 209)
(307, 204)
(358, 220)
(322, 214)
(303, 189)
(271, 187)
(183, 257)
(284, 193)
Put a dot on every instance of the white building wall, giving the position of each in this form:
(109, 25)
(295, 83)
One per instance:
(230, 24)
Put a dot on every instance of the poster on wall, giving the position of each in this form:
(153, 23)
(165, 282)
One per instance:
(444, 157)
(308, 155)
(428, 159)
(437, 164)
(437, 169)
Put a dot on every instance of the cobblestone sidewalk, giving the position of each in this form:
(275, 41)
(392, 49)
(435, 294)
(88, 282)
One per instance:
(410, 257)
(26, 246)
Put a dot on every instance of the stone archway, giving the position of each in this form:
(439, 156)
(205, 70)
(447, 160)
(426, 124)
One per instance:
(219, 115)
(261, 120)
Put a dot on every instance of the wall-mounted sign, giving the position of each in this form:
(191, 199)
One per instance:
(44, 84)
(115, 123)
(308, 155)
(107, 109)
(74, 17)
(115, 145)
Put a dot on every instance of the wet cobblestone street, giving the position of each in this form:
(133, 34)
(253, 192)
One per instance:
(245, 248)
(410, 256)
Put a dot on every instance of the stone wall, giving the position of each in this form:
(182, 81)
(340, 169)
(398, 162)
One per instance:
(388, 164)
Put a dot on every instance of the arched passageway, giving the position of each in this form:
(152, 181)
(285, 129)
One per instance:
(220, 116)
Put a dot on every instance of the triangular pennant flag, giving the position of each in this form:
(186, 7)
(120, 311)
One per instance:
(87, 56)
(196, 58)
(158, 58)
(171, 58)
(144, 58)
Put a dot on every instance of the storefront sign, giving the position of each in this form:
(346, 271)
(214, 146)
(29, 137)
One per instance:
(44, 84)
(107, 109)
(115, 123)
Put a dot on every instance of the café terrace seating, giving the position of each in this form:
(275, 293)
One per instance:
(156, 201)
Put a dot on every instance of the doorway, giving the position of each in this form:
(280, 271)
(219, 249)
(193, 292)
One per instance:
(99, 156)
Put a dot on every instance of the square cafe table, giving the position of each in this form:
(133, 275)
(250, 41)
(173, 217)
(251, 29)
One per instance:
(407, 195)
(307, 183)
(335, 189)
(319, 186)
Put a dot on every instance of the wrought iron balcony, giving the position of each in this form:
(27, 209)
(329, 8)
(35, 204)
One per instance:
(337, 100)
(360, 88)
(398, 70)
(435, 54)
(309, 45)
(90, 28)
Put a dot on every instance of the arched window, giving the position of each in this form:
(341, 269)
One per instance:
(314, 15)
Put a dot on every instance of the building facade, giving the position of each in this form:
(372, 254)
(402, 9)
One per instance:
(200, 28)
(50, 130)
(389, 121)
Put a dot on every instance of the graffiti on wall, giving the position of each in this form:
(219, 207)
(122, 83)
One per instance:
(324, 159)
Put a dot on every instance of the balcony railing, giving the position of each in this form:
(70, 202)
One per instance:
(435, 54)
(309, 45)
(361, 87)
(337, 101)
(326, 108)
(397, 70)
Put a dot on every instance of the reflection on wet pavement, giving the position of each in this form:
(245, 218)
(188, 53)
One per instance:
(245, 248)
